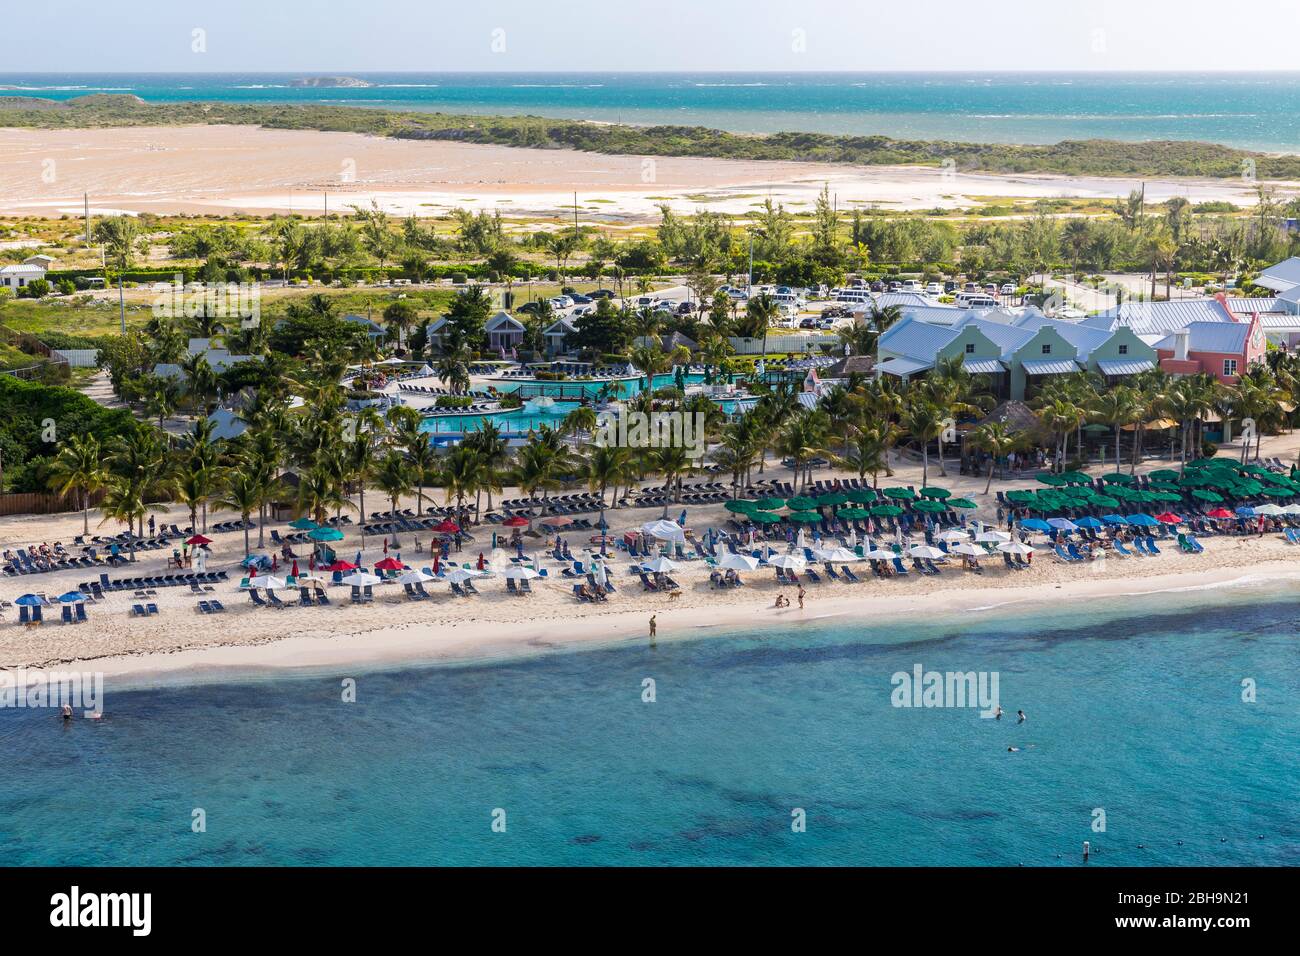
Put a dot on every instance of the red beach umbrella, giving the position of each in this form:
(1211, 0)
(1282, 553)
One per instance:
(515, 522)
(446, 526)
(1169, 518)
(436, 556)
(198, 539)
(557, 522)
(342, 566)
(390, 564)
(1221, 513)
(294, 572)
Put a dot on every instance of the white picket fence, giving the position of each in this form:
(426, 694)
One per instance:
(79, 358)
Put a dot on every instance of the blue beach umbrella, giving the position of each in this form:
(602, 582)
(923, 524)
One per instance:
(1142, 519)
(1063, 524)
(1114, 519)
(1246, 512)
(30, 600)
(1088, 521)
(72, 597)
(1035, 524)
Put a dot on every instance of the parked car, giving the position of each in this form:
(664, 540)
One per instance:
(877, 286)
(601, 294)
(933, 288)
(808, 322)
(686, 308)
(645, 302)
(578, 299)
(530, 308)
(951, 285)
(1008, 288)
(561, 302)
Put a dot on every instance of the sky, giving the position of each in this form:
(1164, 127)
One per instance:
(340, 36)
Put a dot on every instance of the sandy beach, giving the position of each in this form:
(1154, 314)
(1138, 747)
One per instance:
(180, 644)
(217, 170)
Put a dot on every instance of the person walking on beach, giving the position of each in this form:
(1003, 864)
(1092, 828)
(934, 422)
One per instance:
(653, 629)
(801, 594)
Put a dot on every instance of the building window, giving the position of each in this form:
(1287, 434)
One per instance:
(1047, 348)
(1229, 366)
(1123, 350)
(970, 348)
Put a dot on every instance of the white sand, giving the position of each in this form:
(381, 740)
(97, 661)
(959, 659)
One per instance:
(223, 169)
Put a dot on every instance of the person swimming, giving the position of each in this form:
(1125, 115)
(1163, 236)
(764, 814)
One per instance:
(67, 712)
(1020, 714)
(997, 714)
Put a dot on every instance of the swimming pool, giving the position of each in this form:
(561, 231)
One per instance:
(515, 420)
(619, 387)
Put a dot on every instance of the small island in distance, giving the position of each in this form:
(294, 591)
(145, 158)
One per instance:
(328, 82)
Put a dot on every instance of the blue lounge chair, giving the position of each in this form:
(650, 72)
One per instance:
(304, 596)
(81, 613)
(899, 569)
(457, 590)
(849, 575)
(510, 586)
(1074, 552)
(275, 601)
(1060, 553)
(67, 614)
(1121, 550)
(151, 608)
(1151, 545)
(526, 588)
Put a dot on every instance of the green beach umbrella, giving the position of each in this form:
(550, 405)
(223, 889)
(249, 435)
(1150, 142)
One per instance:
(900, 494)
(326, 534)
(1171, 496)
(1048, 478)
(1105, 501)
(1163, 474)
(886, 511)
(1021, 496)
(833, 498)
(801, 504)
(1206, 495)
(961, 503)
(862, 496)
(934, 507)
(939, 493)
(764, 517)
(303, 524)
(769, 504)
(854, 513)
(740, 507)
(1118, 478)
(803, 516)
(1076, 478)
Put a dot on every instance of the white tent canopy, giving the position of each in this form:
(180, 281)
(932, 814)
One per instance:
(738, 562)
(665, 530)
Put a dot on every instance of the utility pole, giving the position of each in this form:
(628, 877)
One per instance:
(86, 203)
(121, 302)
(749, 284)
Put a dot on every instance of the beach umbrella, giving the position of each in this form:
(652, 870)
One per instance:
(1075, 478)
(415, 576)
(738, 562)
(1171, 497)
(789, 562)
(1143, 520)
(854, 513)
(769, 504)
(1269, 509)
(1206, 495)
(361, 579)
(1114, 519)
(765, 517)
(863, 496)
(886, 511)
(939, 493)
(30, 600)
(833, 498)
(1225, 513)
(556, 522)
(931, 507)
(996, 537)
(1063, 524)
(1047, 478)
(1015, 547)
(664, 529)
(72, 597)
(899, 494)
(1036, 524)
(1163, 474)
(303, 524)
(446, 526)
(1277, 492)
(518, 572)
(1118, 478)
(198, 539)
(954, 534)
(1021, 496)
(741, 506)
(659, 565)
(460, 575)
(925, 551)
(801, 503)
(389, 564)
(804, 517)
(268, 581)
(1103, 501)
(516, 521)
(342, 566)
(1088, 521)
(1169, 518)
(969, 549)
(1246, 512)
(325, 534)
(961, 503)
(837, 554)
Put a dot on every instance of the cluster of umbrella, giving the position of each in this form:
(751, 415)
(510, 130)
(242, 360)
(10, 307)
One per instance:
(39, 600)
(853, 504)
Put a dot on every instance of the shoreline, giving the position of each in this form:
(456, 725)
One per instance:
(486, 642)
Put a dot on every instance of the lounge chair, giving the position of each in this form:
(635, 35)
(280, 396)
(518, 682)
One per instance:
(151, 608)
(1151, 545)
(1119, 548)
(67, 614)
(304, 596)
(848, 574)
(510, 586)
(525, 588)
(899, 568)
(1060, 553)
(81, 613)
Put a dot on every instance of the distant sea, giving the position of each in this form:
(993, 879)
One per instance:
(1135, 722)
(1250, 110)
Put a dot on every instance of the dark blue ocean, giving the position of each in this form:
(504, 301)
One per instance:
(1253, 110)
(1134, 708)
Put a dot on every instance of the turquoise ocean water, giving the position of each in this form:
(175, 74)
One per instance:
(1135, 709)
(1254, 110)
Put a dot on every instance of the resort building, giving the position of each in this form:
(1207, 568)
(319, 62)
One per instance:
(505, 333)
(557, 335)
(16, 277)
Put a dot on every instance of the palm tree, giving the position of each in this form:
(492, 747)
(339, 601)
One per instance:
(671, 462)
(423, 457)
(79, 467)
(868, 450)
(1118, 407)
(996, 439)
(763, 309)
(492, 449)
(461, 476)
(924, 422)
(802, 439)
(242, 493)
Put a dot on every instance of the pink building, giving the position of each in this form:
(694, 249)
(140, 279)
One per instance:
(1224, 349)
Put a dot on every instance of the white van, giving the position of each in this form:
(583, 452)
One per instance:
(975, 300)
(911, 285)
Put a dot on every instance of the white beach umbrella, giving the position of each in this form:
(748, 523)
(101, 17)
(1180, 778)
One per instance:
(665, 530)
(954, 534)
(853, 538)
(659, 565)
(881, 554)
(1292, 509)
(517, 572)
(414, 576)
(996, 537)
(360, 579)
(461, 575)
(837, 554)
(969, 549)
(799, 539)
(925, 551)
(268, 581)
(1269, 509)
(790, 562)
(1015, 547)
(738, 562)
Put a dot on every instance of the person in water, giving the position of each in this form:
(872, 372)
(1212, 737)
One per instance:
(1020, 714)
(997, 714)
(67, 712)
(653, 627)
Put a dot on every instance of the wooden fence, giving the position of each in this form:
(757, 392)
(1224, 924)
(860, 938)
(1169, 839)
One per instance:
(36, 503)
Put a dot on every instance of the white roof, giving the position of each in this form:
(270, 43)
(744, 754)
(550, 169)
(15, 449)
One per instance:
(22, 270)
(1056, 367)
(1282, 276)
(1125, 368)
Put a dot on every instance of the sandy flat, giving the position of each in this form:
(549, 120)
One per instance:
(224, 169)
